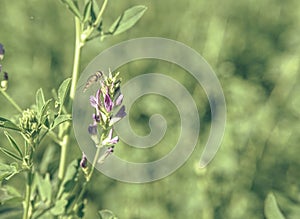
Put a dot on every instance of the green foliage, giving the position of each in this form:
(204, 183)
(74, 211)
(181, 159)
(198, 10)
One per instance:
(60, 119)
(62, 93)
(127, 19)
(8, 171)
(6, 124)
(254, 48)
(73, 7)
(106, 214)
(9, 194)
(44, 187)
(271, 208)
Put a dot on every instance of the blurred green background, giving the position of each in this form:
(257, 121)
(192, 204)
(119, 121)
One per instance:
(253, 47)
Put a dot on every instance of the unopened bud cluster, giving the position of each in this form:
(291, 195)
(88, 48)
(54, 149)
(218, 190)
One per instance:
(29, 124)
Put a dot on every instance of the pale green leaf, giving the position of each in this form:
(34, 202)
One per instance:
(73, 8)
(5, 123)
(272, 210)
(127, 19)
(106, 214)
(13, 143)
(9, 194)
(7, 171)
(87, 11)
(61, 119)
(10, 154)
(59, 207)
(40, 100)
(69, 179)
(62, 91)
(44, 187)
(44, 111)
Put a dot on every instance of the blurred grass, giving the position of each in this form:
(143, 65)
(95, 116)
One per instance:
(252, 45)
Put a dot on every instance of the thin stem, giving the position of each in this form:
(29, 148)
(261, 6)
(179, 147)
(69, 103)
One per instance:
(78, 45)
(97, 21)
(89, 30)
(63, 157)
(88, 178)
(65, 141)
(26, 203)
(11, 100)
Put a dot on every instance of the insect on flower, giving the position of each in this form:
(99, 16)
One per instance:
(93, 79)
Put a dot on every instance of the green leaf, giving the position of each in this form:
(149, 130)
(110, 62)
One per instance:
(87, 11)
(62, 92)
(7, 171)
(69, 180)
(272, 210)
(61, 119)
(13, 143)
(127, 19)
(9, 194)
(106, 214)
(40, 100)
(44, 187)
(47, 159)
(5, 123)
(10, 154)
(59, 207)
(96, 7)
(44, 111)
(73, 8)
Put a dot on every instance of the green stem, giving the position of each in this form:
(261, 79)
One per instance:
(89, 30)
(88, 178)
(26, 203)
(11, 100)
(78, 46)
(65, 141)
(97, 21)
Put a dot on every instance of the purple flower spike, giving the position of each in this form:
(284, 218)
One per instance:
(108, 103)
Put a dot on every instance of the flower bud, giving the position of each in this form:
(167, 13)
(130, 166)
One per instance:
(2, 51)
(4, 82)
(83, 162)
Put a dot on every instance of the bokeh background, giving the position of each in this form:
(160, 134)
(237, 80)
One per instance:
(253, 47)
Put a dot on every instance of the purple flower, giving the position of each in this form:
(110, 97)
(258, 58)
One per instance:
(94, 101)
(116, 118)
(119, 100)
(83, 162)
(93, 131)
(96, 118)
(110, 140)
(108, 103)
(109, 151)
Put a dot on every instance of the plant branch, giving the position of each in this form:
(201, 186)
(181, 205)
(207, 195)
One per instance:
(27, 203)
(11, 100)
(98, 20)
(65, 140)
